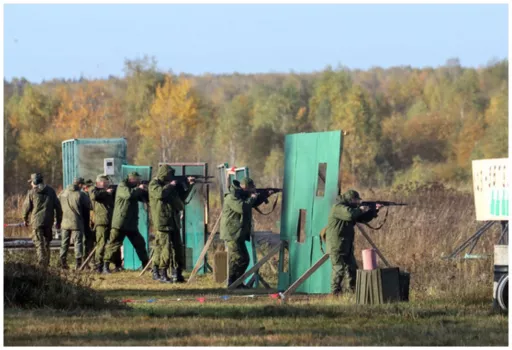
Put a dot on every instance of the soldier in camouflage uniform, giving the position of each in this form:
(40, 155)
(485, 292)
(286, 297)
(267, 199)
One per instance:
(39, 208)
(340, 238)
(125, 220)
(75, 209)
(103, 204)
(167, 199)
(235, 226)
(89, 234)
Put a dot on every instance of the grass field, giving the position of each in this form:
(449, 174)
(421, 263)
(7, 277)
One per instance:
(261, 320)
(450, 301)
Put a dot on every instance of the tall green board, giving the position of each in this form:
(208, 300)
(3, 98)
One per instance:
(131, 260)
(193, 225)
(311, 184)
(238, 174)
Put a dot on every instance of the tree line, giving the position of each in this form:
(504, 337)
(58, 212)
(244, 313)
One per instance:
(404, 124)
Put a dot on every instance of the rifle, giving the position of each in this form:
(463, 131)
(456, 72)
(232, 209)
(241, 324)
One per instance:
(183, 179)
(373, 207)
(263, 195)
(114, 187)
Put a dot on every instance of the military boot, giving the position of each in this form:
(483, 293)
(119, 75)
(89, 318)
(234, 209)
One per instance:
(63, 264)
(179, 276)
(106, 268)
(99, 267)
(156, 274)
(78, 263)
(163, 276)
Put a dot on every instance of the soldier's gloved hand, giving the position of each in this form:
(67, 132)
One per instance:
(25, 223)
(270, 192)
(142, 187)
(254, 195)
(378, 206)
(172, 183)
(191, 179)
(110, 190)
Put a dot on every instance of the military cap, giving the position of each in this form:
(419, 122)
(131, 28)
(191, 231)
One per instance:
(78, 180)
(133, 174)
(102, 177)
(36, 178)
(89, 182)
(351, 194)
(247, 182)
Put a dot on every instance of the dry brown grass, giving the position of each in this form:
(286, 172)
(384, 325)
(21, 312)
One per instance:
(436, 220)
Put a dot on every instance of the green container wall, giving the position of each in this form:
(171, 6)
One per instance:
(193, 227)
(84, 157)
(303, 154)
(131, 260)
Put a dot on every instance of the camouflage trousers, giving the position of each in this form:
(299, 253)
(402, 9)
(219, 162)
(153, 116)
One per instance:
(343, 264)
(168, 251)
(238, 259)
(41, 237)
(102, 236)
(113, 247)
(78, 237)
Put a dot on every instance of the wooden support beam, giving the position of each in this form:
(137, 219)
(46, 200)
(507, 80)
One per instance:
(305, 275)
(360, 227)
(247, 273)
(203, 252)
(265, 284)
(87, 260)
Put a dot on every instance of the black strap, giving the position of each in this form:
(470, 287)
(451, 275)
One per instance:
(380, 226)
(270, 212)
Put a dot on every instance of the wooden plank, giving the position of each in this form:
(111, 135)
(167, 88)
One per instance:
(203, 252)
(255, 267)
(265, 284)
(146, 267)
(272, 267)
(360, 227)
(91, 254)
(220, 263)
(306, 275)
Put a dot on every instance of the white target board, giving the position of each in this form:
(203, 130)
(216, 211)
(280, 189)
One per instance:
(491, 189)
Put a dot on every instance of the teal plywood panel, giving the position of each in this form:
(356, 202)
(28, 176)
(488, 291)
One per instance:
(328, 151)
(300, 252)
(287, 222)
(131, 260)
(303, 154)
(193, 227)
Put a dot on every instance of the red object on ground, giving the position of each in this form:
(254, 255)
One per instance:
(369, 259)
(201, 300)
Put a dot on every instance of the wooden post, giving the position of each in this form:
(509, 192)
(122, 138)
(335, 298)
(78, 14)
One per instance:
(373, 245)
(255, 267)
(203, 252)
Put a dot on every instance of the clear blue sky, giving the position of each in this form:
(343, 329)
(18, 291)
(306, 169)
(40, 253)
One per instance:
(66, 41)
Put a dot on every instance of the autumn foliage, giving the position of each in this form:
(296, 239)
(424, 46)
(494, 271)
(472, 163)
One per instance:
(404, 124)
